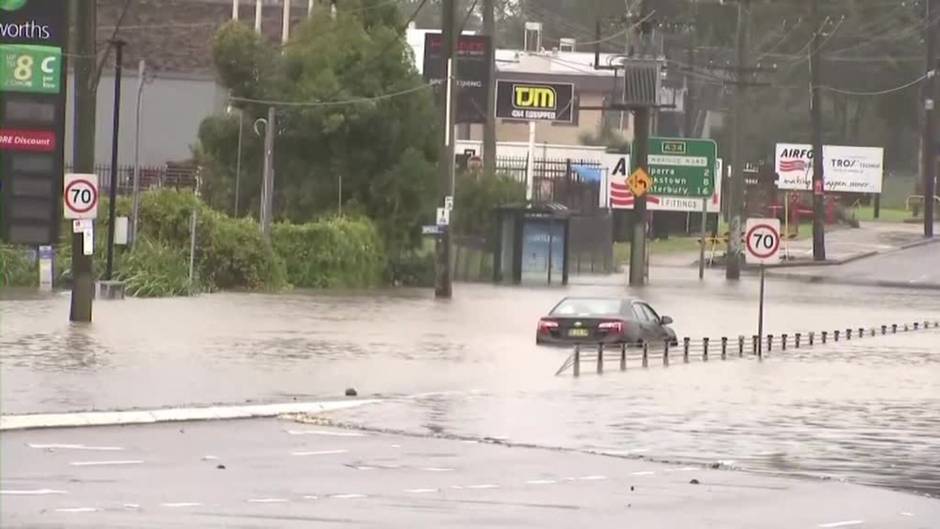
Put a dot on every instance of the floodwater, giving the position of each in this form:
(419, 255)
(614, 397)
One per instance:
(866, 410)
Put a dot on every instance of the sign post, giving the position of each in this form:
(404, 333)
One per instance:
(762, 242)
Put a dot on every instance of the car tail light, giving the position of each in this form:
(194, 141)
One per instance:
(547, 326)
(613, 327)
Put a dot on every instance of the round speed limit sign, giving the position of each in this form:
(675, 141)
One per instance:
(762, 240)
(81, 196)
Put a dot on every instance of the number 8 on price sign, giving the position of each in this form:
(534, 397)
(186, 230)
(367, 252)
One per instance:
(762, 240)
(81, 196)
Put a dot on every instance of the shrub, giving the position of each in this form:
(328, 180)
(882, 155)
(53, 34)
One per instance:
(331, 253)
(16, 268)
(155, 269)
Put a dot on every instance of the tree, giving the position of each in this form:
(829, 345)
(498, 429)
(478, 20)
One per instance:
(359, 120)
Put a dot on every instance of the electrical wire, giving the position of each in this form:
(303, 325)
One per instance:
(887, 91)
(319, 104)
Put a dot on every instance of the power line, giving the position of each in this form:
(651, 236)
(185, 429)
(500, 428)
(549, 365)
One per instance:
(877, 92)
(317, 104)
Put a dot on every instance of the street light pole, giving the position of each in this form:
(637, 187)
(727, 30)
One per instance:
(141, 70)
(112, 192)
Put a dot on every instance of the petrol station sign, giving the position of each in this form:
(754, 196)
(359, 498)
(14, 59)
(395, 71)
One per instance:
(32, 119)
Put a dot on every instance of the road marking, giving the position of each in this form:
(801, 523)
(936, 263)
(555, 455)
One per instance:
(319, 453)
(311, 497)
(132, 506)
(541, 482)
(104, 463)
(842, 524)
(35, 492)
(348, 496)
(267, 500)
(483, 486)
(325, 433)
(420, 491)
(642, 473)
(683, 469)
(77, 509)
(365, 467)
(907, 514)
(396, 446)
(74, 447)
(437, 469)
(180, 504)
(592, 478)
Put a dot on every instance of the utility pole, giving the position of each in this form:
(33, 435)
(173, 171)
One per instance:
(734, 254)
(641, 137)
(688, 113)
(135, 209)
(819, 182)
(489, 126)
(929, 149)
(443, 287)
(116, 126)
(83, 151)
(285, 23)
(267, 183)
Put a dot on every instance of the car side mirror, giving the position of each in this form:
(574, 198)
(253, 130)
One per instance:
(665, 320)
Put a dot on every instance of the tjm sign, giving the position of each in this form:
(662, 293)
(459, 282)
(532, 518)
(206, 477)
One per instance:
(535, 101)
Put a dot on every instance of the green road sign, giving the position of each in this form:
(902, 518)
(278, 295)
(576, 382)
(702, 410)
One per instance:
(682, 167)
(27, 68)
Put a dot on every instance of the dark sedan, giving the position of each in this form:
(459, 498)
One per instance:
(604, 320)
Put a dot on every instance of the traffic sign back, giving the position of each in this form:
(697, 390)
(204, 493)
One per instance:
(762, 241)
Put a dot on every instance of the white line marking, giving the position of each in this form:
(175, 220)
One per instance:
(319, 453)
(267, 500)
(36, 492)
(683, 469)
(437, 469)
(592, 478)
(75, 447)
(210, 458)
(132, 506)
(77, 509)
(483, 486)
(907, 514)
(180, 504)
(457, 487)
(569, 478)
(326, 433)
(643, 473)
(348, 496)
(103, 463)
(541, 482)
(842, 524)
(420, 491)
(396, 446)
(365, 467)
(311, 497)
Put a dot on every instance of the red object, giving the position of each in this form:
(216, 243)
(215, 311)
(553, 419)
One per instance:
(94, 196)
(27, 140)
(546, 326)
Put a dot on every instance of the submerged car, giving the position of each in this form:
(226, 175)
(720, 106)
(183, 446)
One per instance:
(604, 320)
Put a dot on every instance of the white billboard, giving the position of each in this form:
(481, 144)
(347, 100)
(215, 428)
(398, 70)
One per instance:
(846, 169)
(619, 196)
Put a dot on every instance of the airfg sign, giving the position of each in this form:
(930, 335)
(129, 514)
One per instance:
(535, 101)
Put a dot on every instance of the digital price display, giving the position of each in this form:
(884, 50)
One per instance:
(32, 119)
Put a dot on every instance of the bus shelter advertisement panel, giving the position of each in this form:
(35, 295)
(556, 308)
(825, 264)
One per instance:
(847, 169)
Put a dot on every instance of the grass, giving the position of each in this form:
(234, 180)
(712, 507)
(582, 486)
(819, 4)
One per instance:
(867, 214)
(671, 245)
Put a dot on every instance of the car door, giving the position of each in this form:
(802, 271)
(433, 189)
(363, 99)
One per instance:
(655, 323)
(648, 331)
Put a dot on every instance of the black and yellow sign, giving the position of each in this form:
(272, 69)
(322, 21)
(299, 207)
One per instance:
(639, 182)
(535, 101)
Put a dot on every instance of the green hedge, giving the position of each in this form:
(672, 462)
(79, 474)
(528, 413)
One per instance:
(16, 268)
(332, 253)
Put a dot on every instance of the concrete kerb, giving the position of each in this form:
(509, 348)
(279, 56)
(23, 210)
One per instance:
(210, 413)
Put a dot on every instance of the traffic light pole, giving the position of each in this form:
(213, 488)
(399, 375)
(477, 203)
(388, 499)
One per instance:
(83, 157)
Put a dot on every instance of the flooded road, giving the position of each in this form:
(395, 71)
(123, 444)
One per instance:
(867, 410)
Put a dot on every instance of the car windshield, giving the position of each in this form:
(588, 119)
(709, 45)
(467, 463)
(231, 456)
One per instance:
(587, 306)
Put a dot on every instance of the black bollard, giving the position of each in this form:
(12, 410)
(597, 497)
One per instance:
(724, 347)
(646, 354)
(861, 332)
(623, 357)
(824, 334)
(666, 353)
(916, 325)
(873, 332)
(835, 336)
(812, 337)
(894, 328)
(906, 328)
(848, 334)
(884, 330)
(740, 346)
(704, 349)
(577, 360)
(600, 358)
(770, 342)
(783, 342)
(755, 342)
(796, 340)
(685, 350)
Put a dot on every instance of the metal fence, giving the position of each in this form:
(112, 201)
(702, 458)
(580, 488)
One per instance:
(177, 176)
(555, 180)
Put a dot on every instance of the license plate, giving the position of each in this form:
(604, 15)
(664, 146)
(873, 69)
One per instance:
(578, 332)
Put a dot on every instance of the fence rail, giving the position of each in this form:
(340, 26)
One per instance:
(724, 348)
(177, 176)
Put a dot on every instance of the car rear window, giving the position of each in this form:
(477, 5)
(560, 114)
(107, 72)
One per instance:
(586, 307)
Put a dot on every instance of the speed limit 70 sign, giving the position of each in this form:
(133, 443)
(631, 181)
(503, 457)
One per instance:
(762, 240)
(81, 196)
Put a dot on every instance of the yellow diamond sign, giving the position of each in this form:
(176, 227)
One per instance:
(640, 182)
